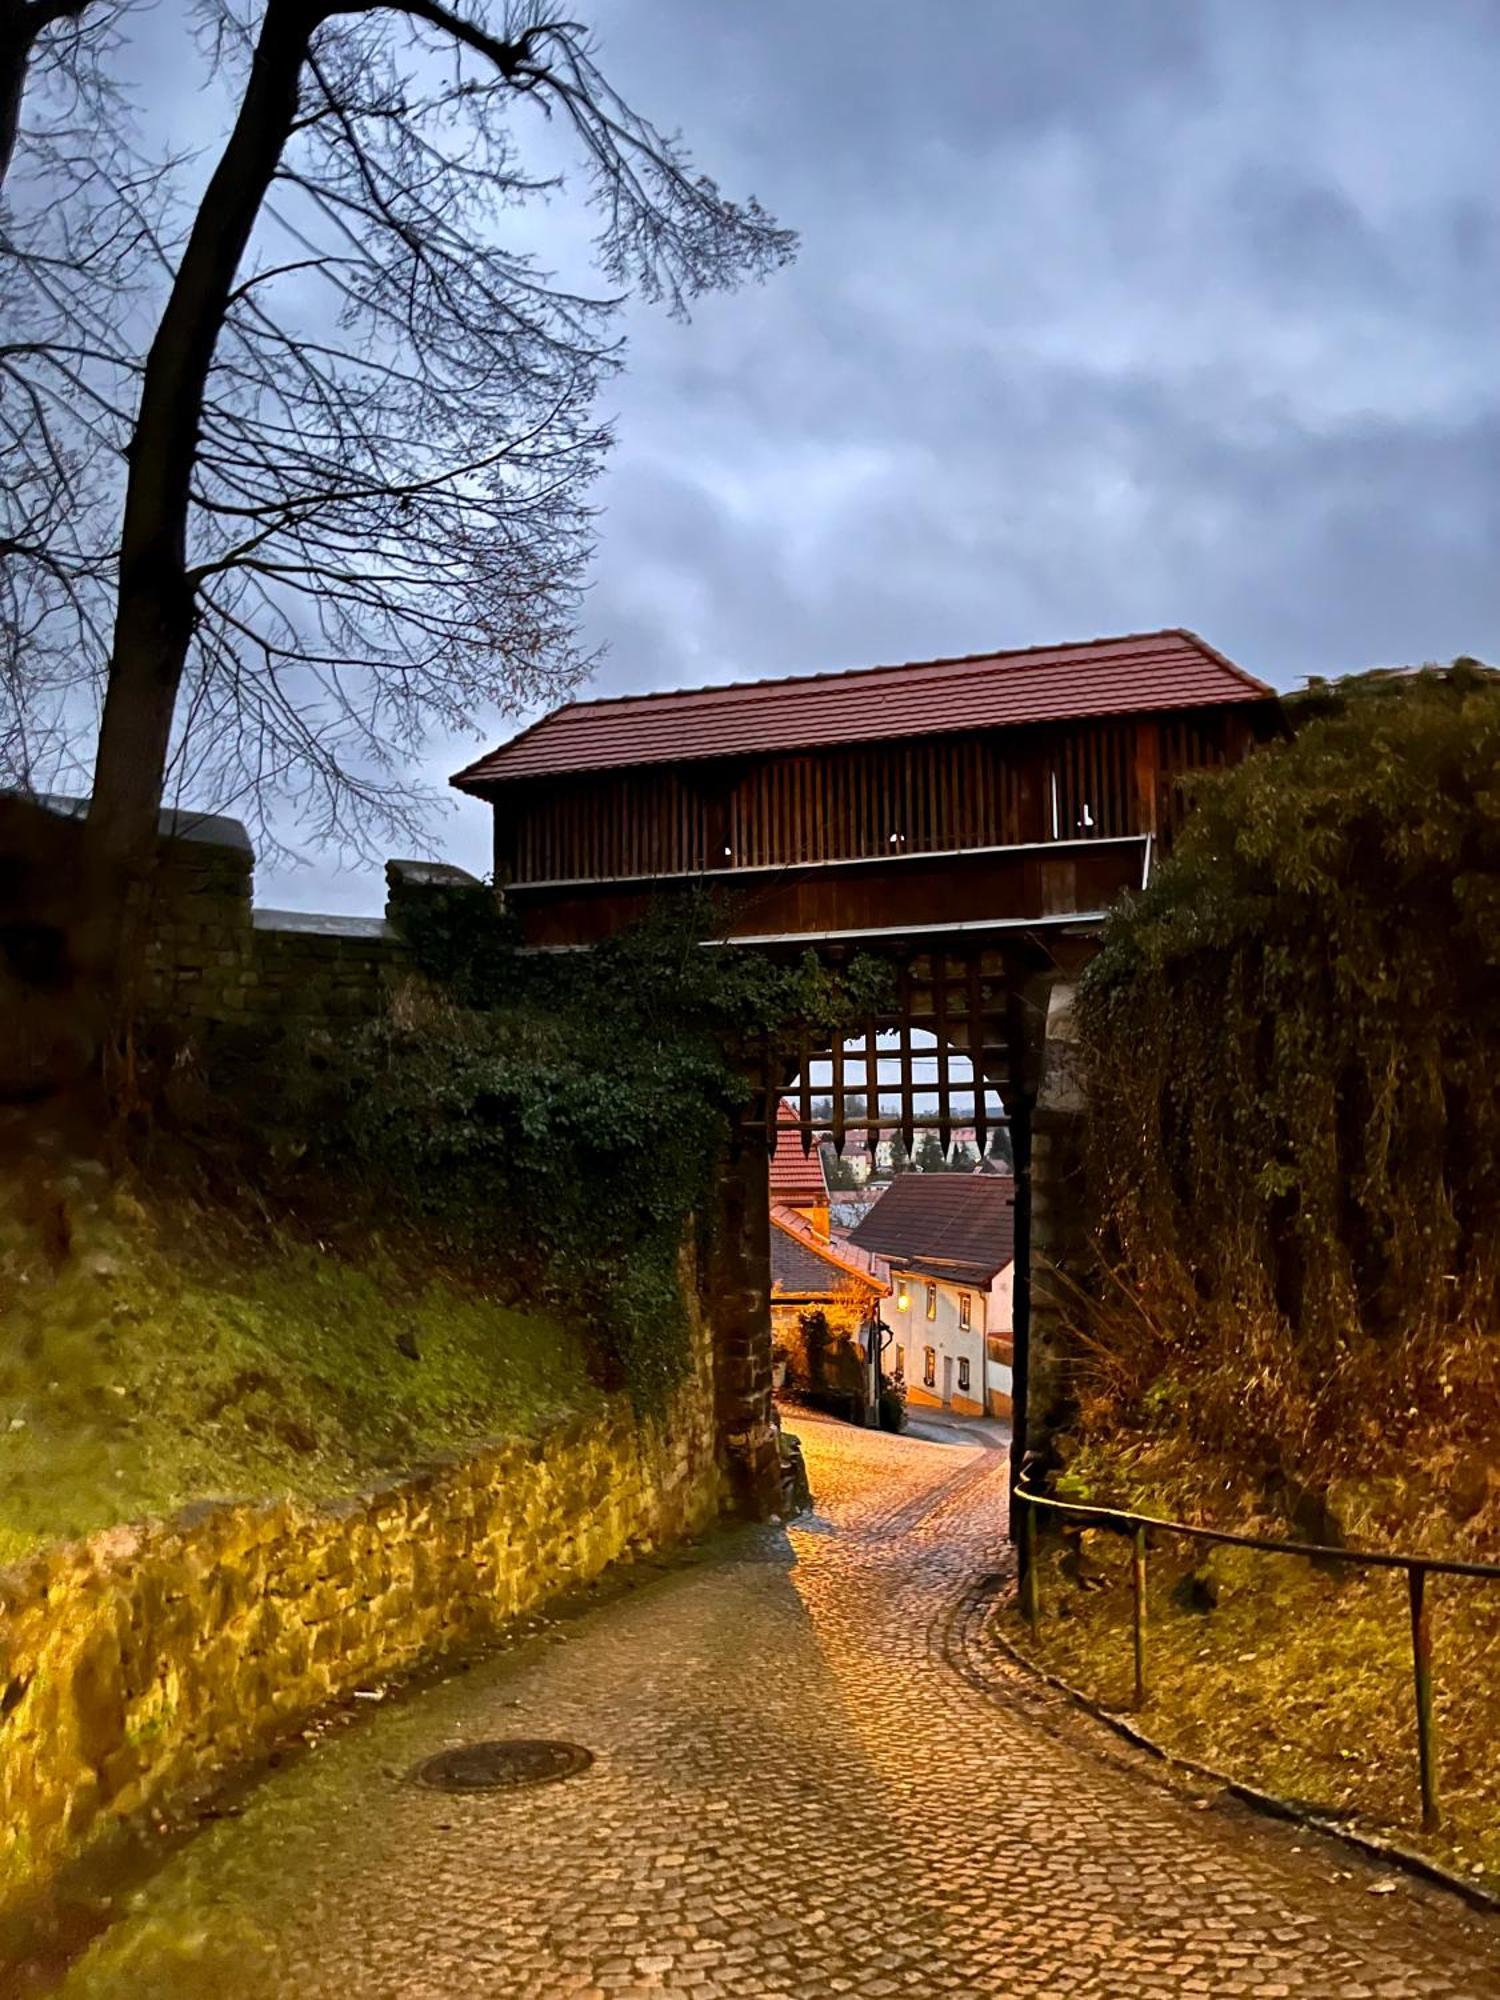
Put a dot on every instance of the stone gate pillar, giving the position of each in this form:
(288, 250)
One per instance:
(1059, 1223)
(737, 1306)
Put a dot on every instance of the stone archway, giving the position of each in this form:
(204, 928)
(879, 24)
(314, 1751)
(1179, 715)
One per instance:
(982, 812)
(985, 1006)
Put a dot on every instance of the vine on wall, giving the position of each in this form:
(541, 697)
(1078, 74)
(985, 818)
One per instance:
(1292, 1041)
(566, 1115)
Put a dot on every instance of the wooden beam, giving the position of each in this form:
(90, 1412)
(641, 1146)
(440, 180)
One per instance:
(872, 1083)
(940, 1029)
(804, 1059)
(1147, 778)
(904, 1028)
(836, 1058)
(976, 1054)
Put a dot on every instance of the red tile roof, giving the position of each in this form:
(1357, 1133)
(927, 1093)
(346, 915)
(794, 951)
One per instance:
(1138, 673)
(959, 1226)
(797, 1178)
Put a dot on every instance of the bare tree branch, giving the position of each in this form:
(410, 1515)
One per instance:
(80, 232)
(358, 500)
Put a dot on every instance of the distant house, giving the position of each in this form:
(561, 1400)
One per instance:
(817, 1283)
(848, 1207)
(949, 1240)
(858, 1167)
(797, 1178)
(810, 1273)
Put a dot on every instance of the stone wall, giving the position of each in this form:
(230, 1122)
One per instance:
(212, 956)
(737, 1298)
(139, 1666)
(200, 919)
(327, 969)
(1059, 1225)
(215, 958)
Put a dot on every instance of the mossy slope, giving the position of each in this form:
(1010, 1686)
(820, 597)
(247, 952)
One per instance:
(152, 1356)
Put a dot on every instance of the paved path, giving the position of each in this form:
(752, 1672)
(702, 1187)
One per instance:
(799, 1791)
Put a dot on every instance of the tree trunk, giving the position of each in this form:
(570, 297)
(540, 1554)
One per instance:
(15, 56)
(22, 25)
(154, 608)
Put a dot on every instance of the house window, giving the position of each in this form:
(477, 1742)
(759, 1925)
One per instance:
(965, 1307)
(932, 1301)
(963, 1374)
(929, 1367)
(901, 1362)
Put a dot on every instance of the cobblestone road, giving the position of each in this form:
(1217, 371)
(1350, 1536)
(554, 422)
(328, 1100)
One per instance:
(799, 1790)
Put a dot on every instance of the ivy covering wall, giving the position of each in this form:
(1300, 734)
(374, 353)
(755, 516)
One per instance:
(562, 1118)
(1292, 1044)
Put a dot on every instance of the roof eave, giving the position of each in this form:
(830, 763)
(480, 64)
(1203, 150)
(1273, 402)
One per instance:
(481, 784)
(465, 780)
(481, 777)
(981, 1275)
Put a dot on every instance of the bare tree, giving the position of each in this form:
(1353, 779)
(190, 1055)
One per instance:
(357, 500)
(49, 32)
(79, 215)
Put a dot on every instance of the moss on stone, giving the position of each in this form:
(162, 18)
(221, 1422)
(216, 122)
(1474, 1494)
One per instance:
(160, 1361)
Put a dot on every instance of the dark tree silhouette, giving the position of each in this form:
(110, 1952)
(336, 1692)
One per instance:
(79, 234)
(357, 492)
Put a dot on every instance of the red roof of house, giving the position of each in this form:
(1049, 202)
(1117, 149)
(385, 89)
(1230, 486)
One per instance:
(797, 1178)
(1125, 676)
(959, 1226)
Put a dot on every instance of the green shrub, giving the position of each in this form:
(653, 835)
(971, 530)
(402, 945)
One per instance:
(892, 1408)
(562, 1116)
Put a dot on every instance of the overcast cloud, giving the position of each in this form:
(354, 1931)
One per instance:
(1109, 314)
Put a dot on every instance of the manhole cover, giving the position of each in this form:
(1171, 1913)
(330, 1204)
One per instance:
(504, 1766)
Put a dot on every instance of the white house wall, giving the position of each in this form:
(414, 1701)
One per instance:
(1000, 1324)
(951, 1343)
(989, 1391)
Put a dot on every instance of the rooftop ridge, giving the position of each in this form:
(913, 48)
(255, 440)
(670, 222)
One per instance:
(796, 679)
(961, 1221)
(1006, 672)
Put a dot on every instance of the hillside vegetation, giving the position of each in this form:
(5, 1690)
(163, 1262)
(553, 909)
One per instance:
(156, 1353)
(1292, 1041)
(320, 1258)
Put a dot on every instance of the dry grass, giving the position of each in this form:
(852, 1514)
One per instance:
(1298, 1681)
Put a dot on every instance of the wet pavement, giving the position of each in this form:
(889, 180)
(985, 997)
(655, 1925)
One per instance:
(807, 1781)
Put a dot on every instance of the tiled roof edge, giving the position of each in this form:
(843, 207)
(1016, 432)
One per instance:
(476, 771)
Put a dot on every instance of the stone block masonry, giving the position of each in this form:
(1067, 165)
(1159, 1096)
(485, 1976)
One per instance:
(139, 1667)
(1059, 1226)
(213, 959)
(738, 1300)
(216, 959)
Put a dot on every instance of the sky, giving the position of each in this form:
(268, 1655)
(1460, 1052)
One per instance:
(1108, 315)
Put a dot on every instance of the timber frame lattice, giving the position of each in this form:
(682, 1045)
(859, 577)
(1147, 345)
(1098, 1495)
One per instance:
(972, 1001)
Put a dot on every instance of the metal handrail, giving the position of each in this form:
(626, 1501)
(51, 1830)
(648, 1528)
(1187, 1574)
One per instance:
(1122, 1521)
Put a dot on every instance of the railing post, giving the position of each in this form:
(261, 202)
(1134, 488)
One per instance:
(1421, 1657)
(1138, 1579)
(1031, 1603)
